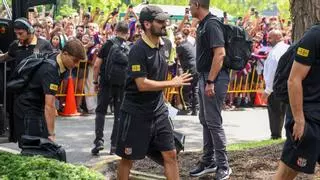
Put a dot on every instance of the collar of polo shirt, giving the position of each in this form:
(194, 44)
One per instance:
(150, 43)
(33, 42)
(61, 66)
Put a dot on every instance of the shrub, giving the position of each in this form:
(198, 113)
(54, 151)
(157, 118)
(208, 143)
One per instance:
(17, 167)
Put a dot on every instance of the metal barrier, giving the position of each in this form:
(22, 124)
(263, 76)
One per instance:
(251, 82)
(245, 83)
(78, 79)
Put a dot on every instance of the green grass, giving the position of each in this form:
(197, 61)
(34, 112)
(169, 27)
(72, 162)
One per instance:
(17, 167)
(253, 144)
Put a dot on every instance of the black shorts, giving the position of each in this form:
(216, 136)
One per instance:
(302, 155)
(138, 134)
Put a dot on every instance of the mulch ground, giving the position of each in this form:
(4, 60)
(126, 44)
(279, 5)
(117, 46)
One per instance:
(258, 164)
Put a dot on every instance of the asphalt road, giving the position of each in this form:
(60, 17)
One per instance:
(76, 134)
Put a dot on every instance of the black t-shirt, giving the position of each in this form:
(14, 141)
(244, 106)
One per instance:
(145, 61)
(209, 36)
(186, 53)
(45, 81)
(103, 54)
(308, 53)
(20, 52)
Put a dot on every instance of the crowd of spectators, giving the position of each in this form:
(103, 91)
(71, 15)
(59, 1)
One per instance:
(94, 28)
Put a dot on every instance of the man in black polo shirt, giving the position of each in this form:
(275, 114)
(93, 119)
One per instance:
(144, 123)
(34, 107)
(106, 90)
(25, 45)
(301, 150)
(186, 54)
(213, 86)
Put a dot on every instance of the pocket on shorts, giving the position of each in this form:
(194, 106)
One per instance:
(126, 125)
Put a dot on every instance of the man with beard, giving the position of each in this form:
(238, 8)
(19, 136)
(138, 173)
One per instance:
(80, 31)
(25, 45)
(213, 86)
(185, 28)
(144, 122)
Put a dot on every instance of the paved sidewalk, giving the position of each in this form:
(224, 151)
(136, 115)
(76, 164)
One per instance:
(76, 134)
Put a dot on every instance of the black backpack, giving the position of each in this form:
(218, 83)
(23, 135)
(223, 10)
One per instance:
(38, 146)
(238, 46)
(280, 87)
(116, 66)
(24, 71)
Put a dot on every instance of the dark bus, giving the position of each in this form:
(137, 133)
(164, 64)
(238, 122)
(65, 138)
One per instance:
(9, 11)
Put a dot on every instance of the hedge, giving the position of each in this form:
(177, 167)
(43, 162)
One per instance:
(17, 167)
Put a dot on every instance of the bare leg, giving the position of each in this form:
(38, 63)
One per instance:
(124, 169)
(285, 173)
(171, 169)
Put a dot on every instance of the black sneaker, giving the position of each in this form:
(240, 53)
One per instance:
(98, 147)
(223, 174)
(201, 169)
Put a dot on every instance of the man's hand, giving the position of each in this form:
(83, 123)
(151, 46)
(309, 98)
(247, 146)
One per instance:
(182, 80)
(209, 90)
(52, 138)
(298, 129)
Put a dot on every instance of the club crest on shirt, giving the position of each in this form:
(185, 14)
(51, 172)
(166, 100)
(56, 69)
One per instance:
(303, 52)
(301, 162)
(128, 151)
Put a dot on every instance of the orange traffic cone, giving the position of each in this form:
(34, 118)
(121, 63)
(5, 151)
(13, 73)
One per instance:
(70, 108)
(258, 101)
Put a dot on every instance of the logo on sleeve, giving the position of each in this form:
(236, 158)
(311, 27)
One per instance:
(54, 87)
(301, 162)
(135, 68)
(303, 52)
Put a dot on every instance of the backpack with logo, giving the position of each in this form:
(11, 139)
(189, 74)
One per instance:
(23, 72)
(237, 44)
(280, 88)
(117, 63)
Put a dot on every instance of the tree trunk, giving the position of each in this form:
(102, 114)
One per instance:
(304, 14)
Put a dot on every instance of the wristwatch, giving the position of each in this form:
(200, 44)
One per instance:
(95, 82)
(52, 134)
(209, 81)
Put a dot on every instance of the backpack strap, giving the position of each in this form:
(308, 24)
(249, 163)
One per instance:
(215, 18)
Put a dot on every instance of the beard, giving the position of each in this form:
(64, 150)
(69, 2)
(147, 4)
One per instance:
(156, 32)
(186, 32)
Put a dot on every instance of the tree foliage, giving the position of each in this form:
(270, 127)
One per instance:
(233, 7)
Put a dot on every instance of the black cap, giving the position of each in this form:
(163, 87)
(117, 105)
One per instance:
(150, 13)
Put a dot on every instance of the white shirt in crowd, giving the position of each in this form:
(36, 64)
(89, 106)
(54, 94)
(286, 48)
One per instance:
(192, 40)
(271, 64)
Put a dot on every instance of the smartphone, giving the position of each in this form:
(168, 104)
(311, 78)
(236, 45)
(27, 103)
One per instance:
(89, 9)
(187, 10)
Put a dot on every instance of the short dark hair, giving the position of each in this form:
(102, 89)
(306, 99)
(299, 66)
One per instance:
(75, 48)
(81, 26)
(122, 27)
(38, 25)
(205, 4)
